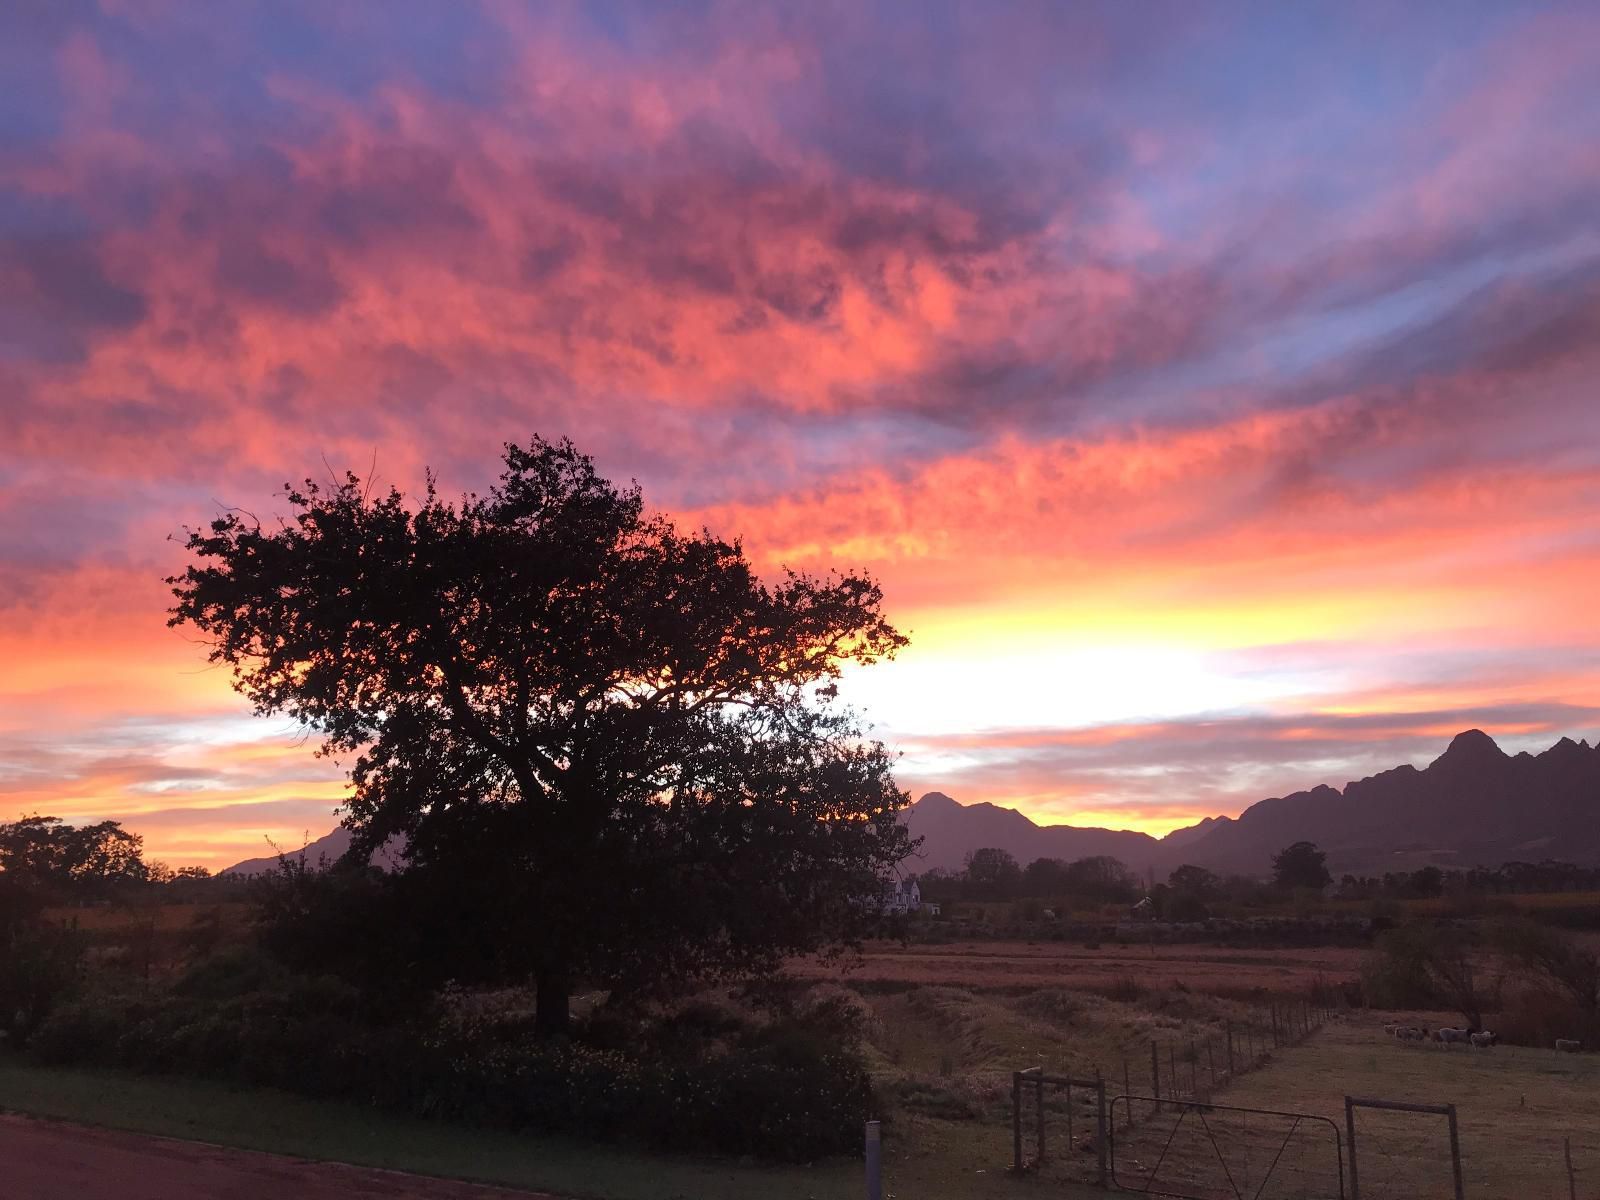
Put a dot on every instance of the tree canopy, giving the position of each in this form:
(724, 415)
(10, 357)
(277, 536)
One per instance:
(609, 743)
(1301, 865)
(72, 859)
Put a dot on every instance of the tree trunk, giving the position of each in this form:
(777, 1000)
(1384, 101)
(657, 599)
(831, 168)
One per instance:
(551, 1008)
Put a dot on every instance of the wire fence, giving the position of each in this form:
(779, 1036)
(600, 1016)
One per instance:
(1195, 1069)
(1159, 1122)
(1066, 1121)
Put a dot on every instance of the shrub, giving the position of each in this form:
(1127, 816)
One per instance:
(39, 962)
(785, 1080)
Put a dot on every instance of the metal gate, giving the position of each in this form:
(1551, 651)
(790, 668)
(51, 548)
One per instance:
(1196, 1151)
(1404, 1163)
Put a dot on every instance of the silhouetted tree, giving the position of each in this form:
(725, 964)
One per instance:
(1045, 877)
(1101, 878)
(1198, 882)
(1301, 865)
(605, 742)
(72, 859)
(992, 874)
(1426, 882)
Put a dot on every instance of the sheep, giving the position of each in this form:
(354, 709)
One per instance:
(1391, 1030)
(1410, 1033)
(1568, 1045)
(1447, 1035)
(1483, 1039)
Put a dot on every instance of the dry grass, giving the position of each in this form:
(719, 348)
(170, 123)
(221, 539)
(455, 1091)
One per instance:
(1514, 1105)
(130, 920)
(1231, 971)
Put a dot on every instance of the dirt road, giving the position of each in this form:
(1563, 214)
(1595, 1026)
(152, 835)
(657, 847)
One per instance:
(49, 1160)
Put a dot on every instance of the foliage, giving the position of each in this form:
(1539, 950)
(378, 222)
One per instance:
(1431, 965)
(992, 874)
(1197, 881)
(1301, 865)
(781, 1081)
(80, 861)
(560, 701)
(1555, 959)
(1101, 878)
(39, 960)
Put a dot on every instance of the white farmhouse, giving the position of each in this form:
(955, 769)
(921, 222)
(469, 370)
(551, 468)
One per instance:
(900, 896)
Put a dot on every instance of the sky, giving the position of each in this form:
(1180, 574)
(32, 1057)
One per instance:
(1211, 387)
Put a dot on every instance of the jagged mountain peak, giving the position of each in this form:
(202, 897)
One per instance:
(1471, 745)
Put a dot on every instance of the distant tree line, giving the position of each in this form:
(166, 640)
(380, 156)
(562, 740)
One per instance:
(1513, 878)
(992, 874)
(1192, 892)
(64, 862)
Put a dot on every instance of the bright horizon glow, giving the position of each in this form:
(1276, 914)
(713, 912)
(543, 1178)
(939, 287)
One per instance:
(1212, 392)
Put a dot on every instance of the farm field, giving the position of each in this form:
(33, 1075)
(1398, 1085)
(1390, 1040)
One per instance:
(1514, 1104)
(1223, 970)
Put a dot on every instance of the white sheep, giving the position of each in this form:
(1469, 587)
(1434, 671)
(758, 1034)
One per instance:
(1568, 1045)
(1483, 1039)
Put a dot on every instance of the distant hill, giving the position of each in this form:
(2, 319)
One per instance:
(331, 848)
(951, 831)
(1473, 804)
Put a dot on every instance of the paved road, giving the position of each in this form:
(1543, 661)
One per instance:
(50, 1160)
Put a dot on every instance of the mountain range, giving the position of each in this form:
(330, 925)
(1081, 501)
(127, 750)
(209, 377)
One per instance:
(1474, 804)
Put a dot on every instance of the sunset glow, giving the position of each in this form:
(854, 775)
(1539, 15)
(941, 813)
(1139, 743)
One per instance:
(1215, 391)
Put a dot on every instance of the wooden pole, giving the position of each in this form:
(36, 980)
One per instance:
(1350, 1140)
(1127, 1093)
(1155, 1074)
(1102, 1134)
(1455, 1152)
(874, 1162)
(1016, 1122)
(1038, 1119)
(1230, 1050)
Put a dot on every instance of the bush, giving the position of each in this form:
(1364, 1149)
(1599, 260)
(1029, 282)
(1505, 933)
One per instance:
(39, 962)
(783, 1079)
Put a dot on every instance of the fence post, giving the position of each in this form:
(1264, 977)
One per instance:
(1072, 1143)
(1572, 1179)
(1155, 1074)
(1350, 1136)
(1455, 1152)
(874, 1162)
(1172, 1073)
(1038, 1117)
(1016, 1121)
(1127, 1091)
(1230, 1050)
(1102, 1133)
(1211, 1062)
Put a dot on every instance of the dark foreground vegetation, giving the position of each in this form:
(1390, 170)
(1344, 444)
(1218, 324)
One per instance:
(278, 982)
